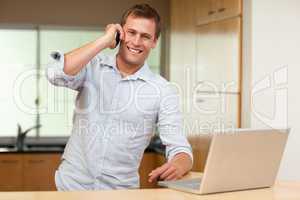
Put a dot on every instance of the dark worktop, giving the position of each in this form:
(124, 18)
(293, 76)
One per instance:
(57, 144)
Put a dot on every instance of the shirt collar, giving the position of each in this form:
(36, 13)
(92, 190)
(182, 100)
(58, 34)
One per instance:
(144, 73)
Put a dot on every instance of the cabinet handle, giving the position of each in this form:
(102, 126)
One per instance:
(36, 161)
(211, 12)
(221, 9)
(9, 161)
(200, 100)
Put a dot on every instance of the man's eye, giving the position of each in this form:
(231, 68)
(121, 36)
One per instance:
(146, 37)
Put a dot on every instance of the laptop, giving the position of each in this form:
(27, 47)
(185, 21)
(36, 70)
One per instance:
(239, 160)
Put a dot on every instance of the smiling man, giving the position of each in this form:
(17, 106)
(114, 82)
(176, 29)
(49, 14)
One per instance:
(120, 103)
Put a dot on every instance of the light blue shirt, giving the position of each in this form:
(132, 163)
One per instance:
(113, 123)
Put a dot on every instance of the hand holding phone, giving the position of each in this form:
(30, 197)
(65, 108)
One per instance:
(114, 35)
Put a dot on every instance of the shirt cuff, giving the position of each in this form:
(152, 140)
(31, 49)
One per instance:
(56, 67)
(170, 154)
(56, 75)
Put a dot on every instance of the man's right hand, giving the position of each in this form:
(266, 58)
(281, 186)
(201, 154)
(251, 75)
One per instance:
(110, 34)
(78, 58)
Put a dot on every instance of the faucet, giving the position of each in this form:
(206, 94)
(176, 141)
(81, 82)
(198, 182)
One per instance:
(21, 136)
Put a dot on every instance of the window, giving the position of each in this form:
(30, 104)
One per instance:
(18, 56)
(27, 98)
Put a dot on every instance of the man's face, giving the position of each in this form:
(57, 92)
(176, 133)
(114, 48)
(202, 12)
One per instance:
(138, 41)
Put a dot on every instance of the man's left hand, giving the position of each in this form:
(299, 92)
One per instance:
(172, 170)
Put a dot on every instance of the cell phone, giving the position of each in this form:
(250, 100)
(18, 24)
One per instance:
(117, 38)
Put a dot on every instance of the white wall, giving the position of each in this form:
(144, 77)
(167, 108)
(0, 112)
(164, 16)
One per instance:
(272, 55)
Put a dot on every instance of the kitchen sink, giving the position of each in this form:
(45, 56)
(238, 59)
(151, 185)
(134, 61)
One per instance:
(8, 149)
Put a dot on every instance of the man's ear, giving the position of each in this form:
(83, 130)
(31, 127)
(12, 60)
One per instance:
(154, 43)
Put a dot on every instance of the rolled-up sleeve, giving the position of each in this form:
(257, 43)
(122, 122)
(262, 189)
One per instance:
(56, 75)
(170, 125)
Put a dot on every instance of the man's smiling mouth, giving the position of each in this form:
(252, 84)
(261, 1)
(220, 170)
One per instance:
(134, 51)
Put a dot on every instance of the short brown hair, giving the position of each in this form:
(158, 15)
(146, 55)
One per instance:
(145, 11)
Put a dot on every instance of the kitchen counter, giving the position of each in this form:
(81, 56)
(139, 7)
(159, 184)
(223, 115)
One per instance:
(32, 150)
(57, 144)
(282, 190)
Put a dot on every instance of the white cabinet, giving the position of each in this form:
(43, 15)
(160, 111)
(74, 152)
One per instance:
(205, 62)
(218, 56)
(212, 112)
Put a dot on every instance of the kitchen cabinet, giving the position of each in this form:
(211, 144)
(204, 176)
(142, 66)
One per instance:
(218, 56)
(28, 171)
(216, 96)
(212, 111)
(35, 171)
(208, 11)
(200, 145)
(206, 63)
(205, 11)
(11, 171)
(149, 162)
(39, 170)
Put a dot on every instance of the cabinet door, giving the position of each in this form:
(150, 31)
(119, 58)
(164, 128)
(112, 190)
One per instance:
(218, 56)
(39, 170)
(208, 11)
(227, 9)
(200, 144)
(11, 172)
(205, 11)
(212, 112)
(148, 163)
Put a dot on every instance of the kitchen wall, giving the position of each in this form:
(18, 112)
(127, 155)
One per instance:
(76, 13)
(271, 73)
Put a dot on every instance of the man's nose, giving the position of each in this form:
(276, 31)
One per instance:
(136, 40)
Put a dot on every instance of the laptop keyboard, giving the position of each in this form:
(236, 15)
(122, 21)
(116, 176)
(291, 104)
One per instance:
(191, 183)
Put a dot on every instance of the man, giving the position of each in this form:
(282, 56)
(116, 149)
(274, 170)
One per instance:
(119, 104)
